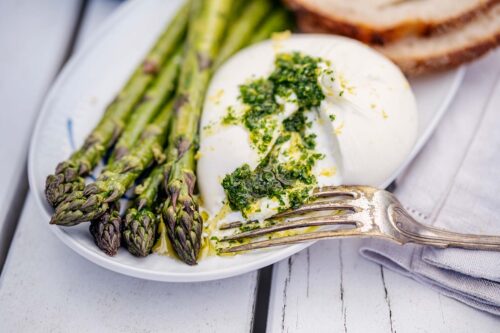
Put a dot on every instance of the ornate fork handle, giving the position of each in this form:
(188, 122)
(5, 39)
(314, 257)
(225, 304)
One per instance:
(364, 212)
(419, 233)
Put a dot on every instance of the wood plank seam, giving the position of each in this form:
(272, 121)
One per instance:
(342, 290)
(262, 299)
(15, 209)
(387, 297)
(285, 289)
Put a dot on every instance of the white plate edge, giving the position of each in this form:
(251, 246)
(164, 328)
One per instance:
(113, 265)
(109, 263)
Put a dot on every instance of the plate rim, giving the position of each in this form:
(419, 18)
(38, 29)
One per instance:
(148, 274)
(458, 77)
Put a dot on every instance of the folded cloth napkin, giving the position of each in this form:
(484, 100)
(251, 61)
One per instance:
(454, 184)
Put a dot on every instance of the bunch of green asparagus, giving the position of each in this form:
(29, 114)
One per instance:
(151, 129)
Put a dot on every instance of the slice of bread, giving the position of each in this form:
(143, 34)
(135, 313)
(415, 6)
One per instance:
(417, 55)
(382, 21)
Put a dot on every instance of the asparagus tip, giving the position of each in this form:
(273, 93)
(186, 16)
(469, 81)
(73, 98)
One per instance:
(107, 231)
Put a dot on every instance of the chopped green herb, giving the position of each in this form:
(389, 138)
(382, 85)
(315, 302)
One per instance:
(259, 96)
(298, 197)
(294, 78)
(296, 122)
(230, 118)
(294, 73)
(298, 73)
(249, 227)
(271, 179)
(310, 141)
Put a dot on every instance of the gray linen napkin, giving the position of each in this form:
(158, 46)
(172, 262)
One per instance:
(454, 184)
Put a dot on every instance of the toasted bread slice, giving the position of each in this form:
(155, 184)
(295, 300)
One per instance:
(383, 21)
(417, 55)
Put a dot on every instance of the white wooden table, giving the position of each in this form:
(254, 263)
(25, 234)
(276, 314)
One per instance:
(45, 287)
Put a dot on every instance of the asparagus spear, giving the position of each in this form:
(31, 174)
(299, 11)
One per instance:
(236, 38)
(243, 28)
(69, 174)
(141, 221)
(235, 12)
(180, 211)
(152, 101)
(95, 199)
(279, 20)
(106, 230)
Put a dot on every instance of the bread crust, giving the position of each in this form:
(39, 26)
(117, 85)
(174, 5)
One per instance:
(413, 66)
(331, 23)
(418, 65)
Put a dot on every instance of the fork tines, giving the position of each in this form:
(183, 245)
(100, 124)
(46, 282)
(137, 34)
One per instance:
(334, 191)
(300, 223)
(293, 239)
(339, 199)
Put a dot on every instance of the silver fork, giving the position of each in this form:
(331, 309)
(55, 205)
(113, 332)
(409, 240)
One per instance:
(365, 211)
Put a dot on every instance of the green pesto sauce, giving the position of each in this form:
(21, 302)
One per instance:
(297, 123)
(273, 179)
(298, 73)
(292, 179)
(230, 118)
(294, 73)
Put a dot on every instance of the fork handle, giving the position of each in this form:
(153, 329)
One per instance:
(419, 233)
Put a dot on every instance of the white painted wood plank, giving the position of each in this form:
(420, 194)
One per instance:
(34, 37)
(46, 287)
(416, 308)
(330, 288)
(68, 293)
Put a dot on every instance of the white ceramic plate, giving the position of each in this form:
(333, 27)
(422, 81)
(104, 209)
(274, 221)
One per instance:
(90, 81)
